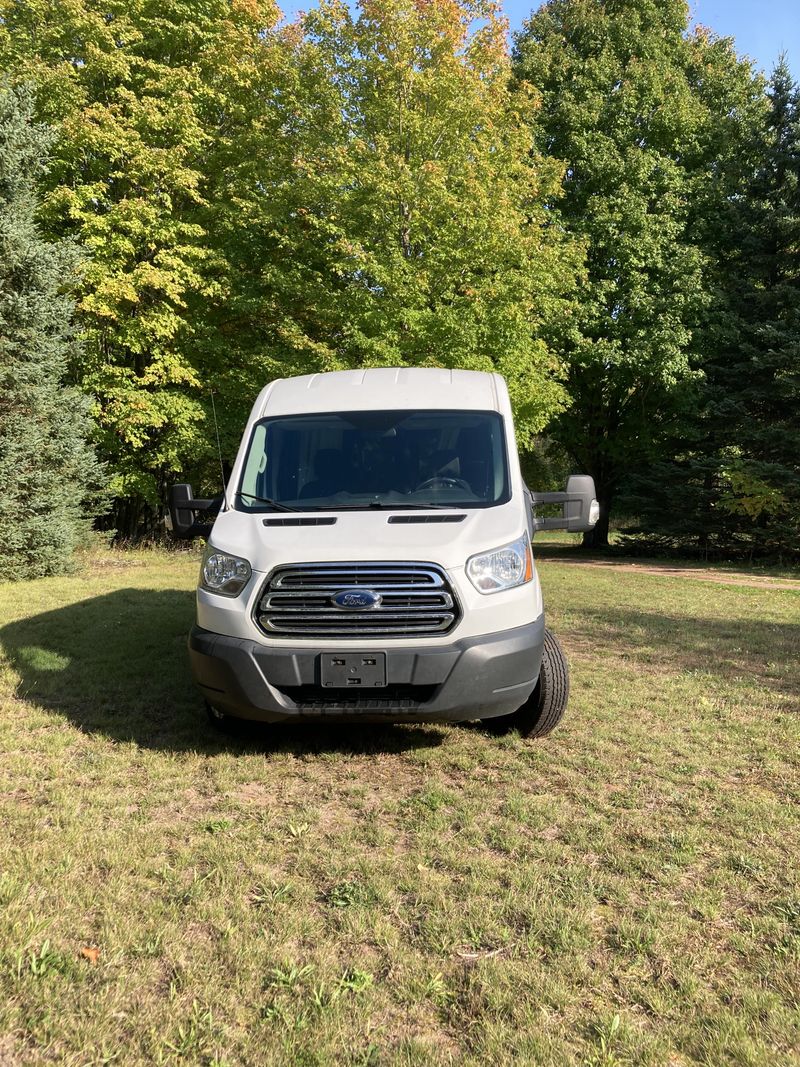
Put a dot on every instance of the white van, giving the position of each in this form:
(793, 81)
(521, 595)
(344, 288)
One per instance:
(371, 558)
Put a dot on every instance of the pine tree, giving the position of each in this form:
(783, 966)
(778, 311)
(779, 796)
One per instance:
(622, 108)
(48, 472)
(760, 371)
(736, 461)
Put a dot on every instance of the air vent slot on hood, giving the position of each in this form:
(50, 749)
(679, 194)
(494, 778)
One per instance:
(326, 520)
(426, 518)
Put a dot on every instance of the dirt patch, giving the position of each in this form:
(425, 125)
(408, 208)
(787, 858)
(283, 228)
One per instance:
(10, 1053)
(665, 570)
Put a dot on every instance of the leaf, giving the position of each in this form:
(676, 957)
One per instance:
(90, 953)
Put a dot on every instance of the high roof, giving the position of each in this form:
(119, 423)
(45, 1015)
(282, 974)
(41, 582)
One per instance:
(383, 388)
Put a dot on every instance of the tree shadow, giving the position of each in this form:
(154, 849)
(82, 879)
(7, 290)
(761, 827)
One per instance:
(117, 665)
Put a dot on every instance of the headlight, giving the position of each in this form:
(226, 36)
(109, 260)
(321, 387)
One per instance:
(502, 568)
(224, 574)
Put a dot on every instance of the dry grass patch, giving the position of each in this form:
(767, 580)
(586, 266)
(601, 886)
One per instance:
(625, 892)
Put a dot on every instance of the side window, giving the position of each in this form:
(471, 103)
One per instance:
(498, 462)
(256, 462)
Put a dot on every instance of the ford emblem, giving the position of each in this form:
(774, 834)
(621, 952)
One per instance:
(356, 599)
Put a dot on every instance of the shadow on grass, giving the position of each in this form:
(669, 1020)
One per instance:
(763, 652)
(118, 665)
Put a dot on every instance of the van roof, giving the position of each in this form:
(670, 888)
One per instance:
(383, 388)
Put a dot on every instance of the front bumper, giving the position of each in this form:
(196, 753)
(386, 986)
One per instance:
(475, 678)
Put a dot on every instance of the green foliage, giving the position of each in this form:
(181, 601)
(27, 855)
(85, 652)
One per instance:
(349, 191)
(138, 93)
(371, 188)
(624, 107)
(391, 209)
(48, 471)
(739, 454)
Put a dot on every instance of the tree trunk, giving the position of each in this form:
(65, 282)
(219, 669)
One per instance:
(598, 537)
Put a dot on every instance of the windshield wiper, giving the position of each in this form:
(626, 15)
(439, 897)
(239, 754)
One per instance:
(383, 505)
(435, 507)
(266, 500)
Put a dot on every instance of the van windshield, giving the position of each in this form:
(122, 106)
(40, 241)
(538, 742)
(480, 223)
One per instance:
(367, 459)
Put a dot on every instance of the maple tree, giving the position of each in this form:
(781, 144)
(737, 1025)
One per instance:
(137, 91)
(403, 215)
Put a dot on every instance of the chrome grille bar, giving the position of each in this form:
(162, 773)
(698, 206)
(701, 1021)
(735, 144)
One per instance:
(415, 598)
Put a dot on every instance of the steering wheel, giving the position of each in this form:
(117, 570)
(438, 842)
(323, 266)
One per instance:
(443, 481)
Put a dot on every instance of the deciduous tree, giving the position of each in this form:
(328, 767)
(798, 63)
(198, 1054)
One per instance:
(140, 91)
(394, 210)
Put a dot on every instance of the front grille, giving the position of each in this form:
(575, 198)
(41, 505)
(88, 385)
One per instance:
(416, 598)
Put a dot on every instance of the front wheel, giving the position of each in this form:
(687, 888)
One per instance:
(545, 707)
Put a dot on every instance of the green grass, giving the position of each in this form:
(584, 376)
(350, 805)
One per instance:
(625, 892)
(557, 544)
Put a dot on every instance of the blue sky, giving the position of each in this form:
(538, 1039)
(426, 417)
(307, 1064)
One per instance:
(762, 28)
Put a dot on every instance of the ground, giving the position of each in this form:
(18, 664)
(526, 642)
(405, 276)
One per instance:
(625, 891)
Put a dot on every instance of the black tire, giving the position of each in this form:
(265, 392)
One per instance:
(544, 709)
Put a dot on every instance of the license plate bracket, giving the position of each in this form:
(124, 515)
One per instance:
(353, 670)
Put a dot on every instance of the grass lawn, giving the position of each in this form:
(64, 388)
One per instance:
(626, 891)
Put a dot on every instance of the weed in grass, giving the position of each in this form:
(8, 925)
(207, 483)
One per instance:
(11, 887)
(44, 962)
(216, 826)
(286, 1017)
(354, 981)
(368, 1057)
(606, 1037)
(152, 946)
(194, 1036)
(744, 864)
(266, 894)
(633, 938)
(350, 893)
(431, 987)
(289, 975)
(433, 798)
(322, 997)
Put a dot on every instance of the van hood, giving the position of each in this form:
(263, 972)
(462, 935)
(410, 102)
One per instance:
(445, 537)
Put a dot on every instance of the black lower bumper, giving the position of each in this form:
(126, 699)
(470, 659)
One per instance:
(476, 678)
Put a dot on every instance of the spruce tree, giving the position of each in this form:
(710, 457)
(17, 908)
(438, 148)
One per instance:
(760, 371)
(48, 471)
(640, 134)
(736, 462)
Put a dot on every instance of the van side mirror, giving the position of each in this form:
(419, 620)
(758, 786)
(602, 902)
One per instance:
(183, 510)
(579, 503)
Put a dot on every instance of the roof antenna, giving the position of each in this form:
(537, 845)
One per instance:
(219, 453)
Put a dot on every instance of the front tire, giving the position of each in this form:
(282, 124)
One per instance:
(545, 707)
